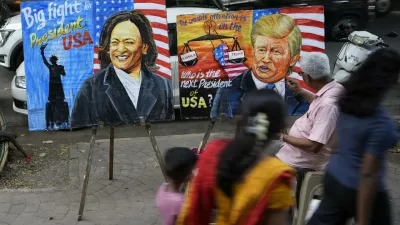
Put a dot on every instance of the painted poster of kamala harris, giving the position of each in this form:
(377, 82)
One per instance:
(126, 88)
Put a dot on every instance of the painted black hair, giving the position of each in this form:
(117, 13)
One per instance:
(179, 163)
(243, 152)
(368, 85)
(146, 32)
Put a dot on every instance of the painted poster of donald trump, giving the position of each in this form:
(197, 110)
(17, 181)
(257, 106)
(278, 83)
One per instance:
(276, 44)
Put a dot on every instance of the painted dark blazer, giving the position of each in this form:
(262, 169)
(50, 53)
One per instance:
(228, 99)
(103, 98)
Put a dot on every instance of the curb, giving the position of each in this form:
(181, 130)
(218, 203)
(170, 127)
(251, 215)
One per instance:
(172, 136)
(25, 190)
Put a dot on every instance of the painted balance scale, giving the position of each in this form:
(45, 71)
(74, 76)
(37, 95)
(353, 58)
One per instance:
(190, 58)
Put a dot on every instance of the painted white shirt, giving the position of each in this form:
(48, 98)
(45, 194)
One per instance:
(279, 86)
(131, 85)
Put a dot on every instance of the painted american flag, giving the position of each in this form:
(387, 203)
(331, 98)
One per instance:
(310, 21)
(155, 11)
(231, 69)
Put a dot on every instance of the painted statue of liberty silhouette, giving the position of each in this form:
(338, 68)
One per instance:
(57, 111)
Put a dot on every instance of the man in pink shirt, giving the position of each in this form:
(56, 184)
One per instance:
(310, 141)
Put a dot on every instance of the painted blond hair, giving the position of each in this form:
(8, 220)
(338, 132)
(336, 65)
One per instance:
(278, 26)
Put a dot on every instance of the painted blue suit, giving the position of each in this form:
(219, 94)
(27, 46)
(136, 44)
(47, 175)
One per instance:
(228, 99)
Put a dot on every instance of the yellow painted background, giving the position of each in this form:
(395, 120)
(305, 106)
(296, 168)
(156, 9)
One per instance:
(204, 48)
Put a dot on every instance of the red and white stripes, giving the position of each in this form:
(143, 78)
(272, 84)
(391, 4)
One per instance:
(310, 21)
(232, 69)
(156, 13)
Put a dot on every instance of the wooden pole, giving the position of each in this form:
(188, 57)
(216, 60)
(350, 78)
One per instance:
(88, 166)
(155, 146)
(111, 154)
(206, 135)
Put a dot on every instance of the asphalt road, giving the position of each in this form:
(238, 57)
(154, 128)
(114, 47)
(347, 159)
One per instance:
(19, 124)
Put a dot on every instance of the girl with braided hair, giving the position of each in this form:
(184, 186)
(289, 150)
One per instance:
(236, 177)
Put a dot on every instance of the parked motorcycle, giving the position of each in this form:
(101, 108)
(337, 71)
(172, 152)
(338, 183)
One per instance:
(354, 52)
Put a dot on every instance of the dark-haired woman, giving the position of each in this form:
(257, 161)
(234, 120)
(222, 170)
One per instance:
(354, 185)
(126, 88)
(237, 178)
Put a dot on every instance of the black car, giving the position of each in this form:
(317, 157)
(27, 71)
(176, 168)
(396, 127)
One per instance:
(383, 7)
(12, 6)
(341, 16)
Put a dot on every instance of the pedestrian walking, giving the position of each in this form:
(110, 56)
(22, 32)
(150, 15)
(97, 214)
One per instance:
(237, 177)
(354, 185)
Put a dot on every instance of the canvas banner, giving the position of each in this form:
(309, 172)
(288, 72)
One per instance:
(223, 56)
(58, 46)
(108, 65)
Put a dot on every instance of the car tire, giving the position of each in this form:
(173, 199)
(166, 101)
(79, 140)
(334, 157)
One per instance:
(19, 59)
(337, 35)
(383, 7)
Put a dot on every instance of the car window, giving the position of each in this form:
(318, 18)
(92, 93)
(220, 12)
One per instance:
(172, 39)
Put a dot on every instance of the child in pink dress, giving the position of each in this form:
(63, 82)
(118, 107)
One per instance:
(179, 164)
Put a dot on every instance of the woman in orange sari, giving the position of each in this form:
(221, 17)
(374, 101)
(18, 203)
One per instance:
(237, 178)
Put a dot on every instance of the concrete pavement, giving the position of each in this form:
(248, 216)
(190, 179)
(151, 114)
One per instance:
(128, 199)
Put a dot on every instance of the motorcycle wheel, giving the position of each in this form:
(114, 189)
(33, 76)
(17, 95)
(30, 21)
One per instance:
(339, 35)
(383, 7)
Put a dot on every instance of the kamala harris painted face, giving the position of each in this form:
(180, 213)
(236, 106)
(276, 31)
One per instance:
(126, 46)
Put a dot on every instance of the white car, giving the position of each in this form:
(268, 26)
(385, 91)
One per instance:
(11, 51)
(18, 91)
(18, 84)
